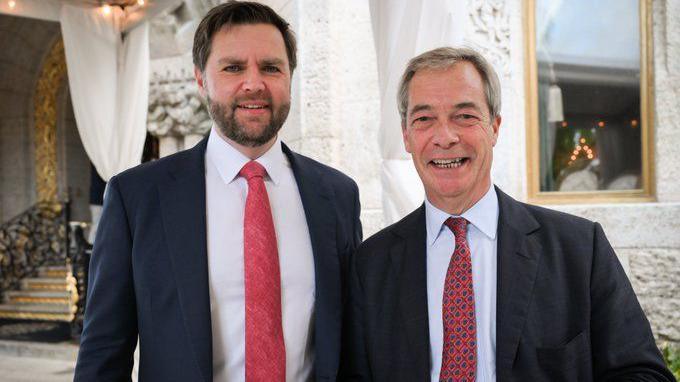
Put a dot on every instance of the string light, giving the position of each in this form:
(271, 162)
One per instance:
(12, 4)
(106, 9)
(581, 147)
(140, 2)
(633, 123)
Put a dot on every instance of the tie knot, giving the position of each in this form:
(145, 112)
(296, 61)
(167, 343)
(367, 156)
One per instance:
(458, 226)
(252, 169)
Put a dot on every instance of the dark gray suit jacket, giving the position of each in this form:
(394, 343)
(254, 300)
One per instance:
(565, 309)
(149, 270)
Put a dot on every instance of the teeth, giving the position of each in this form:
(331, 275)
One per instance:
(448, 163)
(252, 106)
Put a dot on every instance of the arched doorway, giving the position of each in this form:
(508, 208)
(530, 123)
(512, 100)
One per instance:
(41, 156)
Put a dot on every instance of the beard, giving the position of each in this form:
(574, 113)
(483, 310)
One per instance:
(224, 117)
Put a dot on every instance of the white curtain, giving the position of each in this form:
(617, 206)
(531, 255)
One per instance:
(109, 84)
(403, 29)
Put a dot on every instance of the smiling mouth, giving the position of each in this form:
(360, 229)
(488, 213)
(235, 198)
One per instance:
(449, 163)
(251, 107)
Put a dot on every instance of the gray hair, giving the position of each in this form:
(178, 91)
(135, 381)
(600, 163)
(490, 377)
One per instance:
(444, 58)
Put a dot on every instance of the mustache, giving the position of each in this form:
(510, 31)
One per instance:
(260, 98)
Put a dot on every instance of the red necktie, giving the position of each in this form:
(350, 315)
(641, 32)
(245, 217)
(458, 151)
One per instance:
(265, 350)
(459, 354)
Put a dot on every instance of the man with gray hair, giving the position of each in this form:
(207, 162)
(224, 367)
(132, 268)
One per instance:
(474, 285)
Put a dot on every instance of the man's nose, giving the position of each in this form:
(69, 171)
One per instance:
(446, 134)
(253, 81)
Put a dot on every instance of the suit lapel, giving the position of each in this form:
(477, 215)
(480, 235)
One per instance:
(518, 258)
(320, 212)
(408, 263)
(183, 210)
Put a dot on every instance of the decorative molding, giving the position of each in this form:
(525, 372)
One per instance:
(162, 31)
(52, 73)
(176, 109)
(490, 20)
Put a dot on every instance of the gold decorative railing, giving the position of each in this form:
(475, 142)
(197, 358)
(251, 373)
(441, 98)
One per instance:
(37, 237)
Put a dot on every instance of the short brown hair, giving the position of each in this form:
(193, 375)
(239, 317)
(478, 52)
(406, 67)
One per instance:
(240, 13)
(444, 58)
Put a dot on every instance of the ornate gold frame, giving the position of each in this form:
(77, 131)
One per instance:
(647, 193)
(52, 73)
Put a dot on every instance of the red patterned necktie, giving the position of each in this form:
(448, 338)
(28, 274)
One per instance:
(459, 354)
(265, 350)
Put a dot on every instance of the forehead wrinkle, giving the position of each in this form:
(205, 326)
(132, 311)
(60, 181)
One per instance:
(468, 104)
(231, 60)
(454, 108)
(241, 61)
(272, 61)
(420, 107)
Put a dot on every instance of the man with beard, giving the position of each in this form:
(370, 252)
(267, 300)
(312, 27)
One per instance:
(225, 259)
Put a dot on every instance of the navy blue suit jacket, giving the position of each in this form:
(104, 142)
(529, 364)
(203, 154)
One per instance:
(149, 270)
(565, 309)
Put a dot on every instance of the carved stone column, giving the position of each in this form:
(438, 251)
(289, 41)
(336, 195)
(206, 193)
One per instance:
(338, 97)
(167, 145)
(177, 115)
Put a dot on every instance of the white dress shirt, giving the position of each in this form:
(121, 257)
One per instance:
(481, 238)
(225, 201)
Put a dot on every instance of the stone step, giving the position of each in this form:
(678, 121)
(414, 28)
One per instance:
(53, 271)
(37, 308)
(45, 283)
(59, 351)
(61, 312)
(54, 268)
(38, 297)
(65, 317)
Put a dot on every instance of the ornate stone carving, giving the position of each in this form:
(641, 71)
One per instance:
(162, 33)
(176, 109)
(52, 74)
(490, 21)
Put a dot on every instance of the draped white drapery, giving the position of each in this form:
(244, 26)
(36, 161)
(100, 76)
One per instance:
(402, 30)
(109, 84)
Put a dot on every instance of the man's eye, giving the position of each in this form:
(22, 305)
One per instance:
(271, 69)
(232, 68)
(466, 119)
(421, 122)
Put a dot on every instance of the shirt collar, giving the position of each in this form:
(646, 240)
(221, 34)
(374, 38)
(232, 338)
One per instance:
(229, 161)
(483, 215)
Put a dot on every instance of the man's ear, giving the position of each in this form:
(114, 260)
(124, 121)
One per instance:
(496, 126)
(404, 136)
(200, 81)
